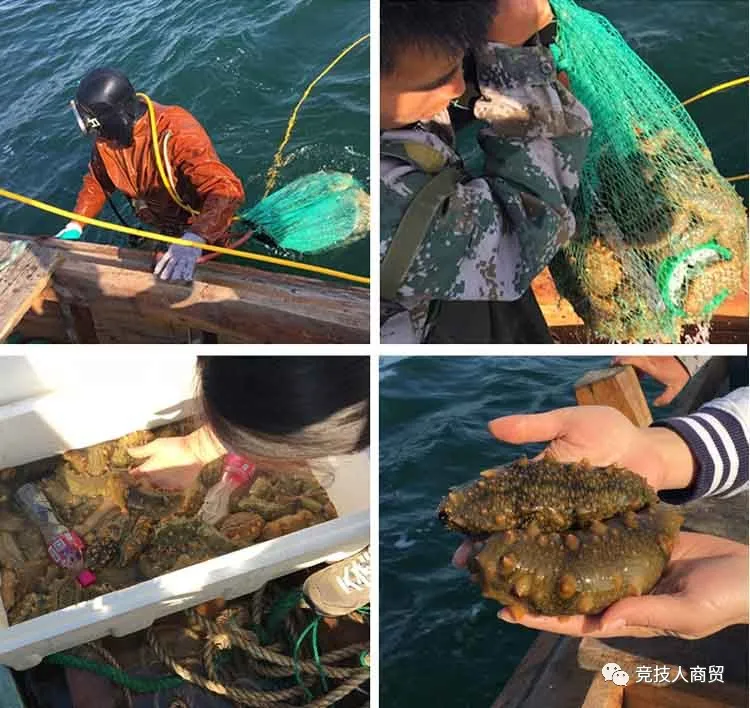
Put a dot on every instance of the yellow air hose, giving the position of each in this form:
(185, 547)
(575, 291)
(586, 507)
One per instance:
(716, 89)
(72, 216)
(271, 179)
(157, 157)
(278, 162)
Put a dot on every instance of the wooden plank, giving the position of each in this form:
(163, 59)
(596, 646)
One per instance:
(727, 648)
(558, 312)
(678, 696)
(603, 694)
(46, 324)
(112, 326)
(593, 654)
(617, 387)
(738, 304)
(26, 273)
(264, 314)
(243, 303)
(547, 676)
(724, 330)
(729, 330)
(729, 324)
(525, 676)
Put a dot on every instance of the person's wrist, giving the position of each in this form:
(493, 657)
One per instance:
(673, 456)
(192, 236)
(205, 446)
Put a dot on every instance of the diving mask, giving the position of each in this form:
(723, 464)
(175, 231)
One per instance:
(87, 124)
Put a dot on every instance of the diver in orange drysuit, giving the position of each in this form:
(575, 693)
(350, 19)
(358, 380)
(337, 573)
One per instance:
(106, 106)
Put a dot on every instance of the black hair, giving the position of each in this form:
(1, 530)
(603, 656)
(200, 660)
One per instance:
(441, 26)
(278, 406)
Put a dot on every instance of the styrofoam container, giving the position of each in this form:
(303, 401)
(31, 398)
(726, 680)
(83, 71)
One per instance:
(90, 398)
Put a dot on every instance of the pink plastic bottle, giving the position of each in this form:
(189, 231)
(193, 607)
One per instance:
(238, 471)
(65, 547)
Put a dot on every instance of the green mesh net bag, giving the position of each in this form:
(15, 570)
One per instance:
(314, 213)
(662, 237)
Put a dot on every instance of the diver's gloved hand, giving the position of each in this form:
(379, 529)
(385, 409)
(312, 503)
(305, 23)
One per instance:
(178, 263)
(71, 232)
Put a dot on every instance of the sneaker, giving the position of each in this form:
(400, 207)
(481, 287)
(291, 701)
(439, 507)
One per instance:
(340, 588)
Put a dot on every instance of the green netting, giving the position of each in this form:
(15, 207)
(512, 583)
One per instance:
(662, 237)
(315, 213)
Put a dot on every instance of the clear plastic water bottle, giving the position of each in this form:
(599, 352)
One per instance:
(238, 471)
(64, 546)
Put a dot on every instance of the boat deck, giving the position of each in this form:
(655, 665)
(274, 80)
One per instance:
(105, 294)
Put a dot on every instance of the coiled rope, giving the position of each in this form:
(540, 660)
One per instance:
(348, 666)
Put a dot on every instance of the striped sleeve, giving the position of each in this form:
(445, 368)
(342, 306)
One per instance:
(717, 435)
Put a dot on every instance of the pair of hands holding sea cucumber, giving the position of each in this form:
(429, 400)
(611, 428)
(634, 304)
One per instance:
(704, 587)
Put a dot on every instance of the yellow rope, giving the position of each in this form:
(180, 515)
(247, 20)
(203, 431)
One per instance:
(182, 242)
(717, 89)
(157, 156)
(273, 170)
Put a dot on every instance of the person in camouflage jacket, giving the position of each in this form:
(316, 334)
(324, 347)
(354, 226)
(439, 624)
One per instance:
(491, 234)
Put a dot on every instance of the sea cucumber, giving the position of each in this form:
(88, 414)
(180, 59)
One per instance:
(563, 538)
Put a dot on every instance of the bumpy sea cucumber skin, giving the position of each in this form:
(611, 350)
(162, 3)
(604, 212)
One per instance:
(553, 496)
(580, 571)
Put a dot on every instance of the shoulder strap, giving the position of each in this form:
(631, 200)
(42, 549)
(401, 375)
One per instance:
(413, 228)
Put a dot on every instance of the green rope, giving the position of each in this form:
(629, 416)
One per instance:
(311, 629)
(275, 618)
(316, 654)
(134, 683)
(297, 673)
(281, 608)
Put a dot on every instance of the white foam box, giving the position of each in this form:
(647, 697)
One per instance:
(79, 397)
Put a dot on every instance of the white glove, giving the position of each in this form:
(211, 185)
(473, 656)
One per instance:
(178, 263)
(71, 232)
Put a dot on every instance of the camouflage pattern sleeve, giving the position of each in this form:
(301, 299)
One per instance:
(497, 231)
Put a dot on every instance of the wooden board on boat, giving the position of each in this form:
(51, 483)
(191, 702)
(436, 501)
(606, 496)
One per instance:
(547, 676)
(729, 324)
(726, 688)
(25, 271)
(565, 672)
(109, 294)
